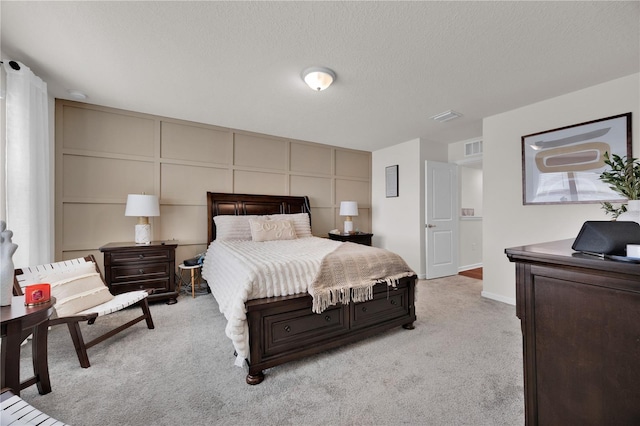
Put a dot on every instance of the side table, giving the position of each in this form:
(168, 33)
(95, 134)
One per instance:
(195, 273)
(18, 321)
(357, 237)
(129, 266)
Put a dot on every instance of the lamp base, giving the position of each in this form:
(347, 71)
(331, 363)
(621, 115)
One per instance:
(143, 233)
(348, 227)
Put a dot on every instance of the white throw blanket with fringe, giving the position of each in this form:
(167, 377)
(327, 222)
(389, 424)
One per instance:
(238, 271)
(349, 273)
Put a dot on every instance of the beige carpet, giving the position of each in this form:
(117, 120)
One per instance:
(462, 365)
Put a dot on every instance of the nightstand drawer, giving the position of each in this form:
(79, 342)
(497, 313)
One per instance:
(157, 285)
(119, 258)
(141, 271)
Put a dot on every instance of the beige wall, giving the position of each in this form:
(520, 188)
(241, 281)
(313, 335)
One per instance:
(506, 221)
(103, 154)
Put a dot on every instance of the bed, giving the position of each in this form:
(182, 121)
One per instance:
(284, 327)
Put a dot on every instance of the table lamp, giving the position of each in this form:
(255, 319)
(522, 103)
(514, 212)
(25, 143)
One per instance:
(348, 209)
(143, 206)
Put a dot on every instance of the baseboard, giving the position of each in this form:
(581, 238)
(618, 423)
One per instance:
(499, 298)
(468, 267)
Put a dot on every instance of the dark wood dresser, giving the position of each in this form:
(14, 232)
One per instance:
(129, 266)
(580, 319)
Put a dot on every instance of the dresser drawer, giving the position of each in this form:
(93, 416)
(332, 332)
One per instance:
(127, 257)
(387, 303)
(141, 271)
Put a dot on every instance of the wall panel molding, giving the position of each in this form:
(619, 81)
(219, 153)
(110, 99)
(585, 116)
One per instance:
(103, 154)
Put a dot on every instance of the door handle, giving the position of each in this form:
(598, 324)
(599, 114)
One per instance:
(431, 226)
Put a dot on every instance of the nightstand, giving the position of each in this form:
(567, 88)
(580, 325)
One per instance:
(358, 238)
(129, 266)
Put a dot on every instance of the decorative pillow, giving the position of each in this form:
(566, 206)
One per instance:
(77, 293)
(269, 230)
(70, 271)
(300, 223)
(229, 227)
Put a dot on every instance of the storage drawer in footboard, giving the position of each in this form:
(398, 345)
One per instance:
(280, 325)
(291, 330)
(388, 303)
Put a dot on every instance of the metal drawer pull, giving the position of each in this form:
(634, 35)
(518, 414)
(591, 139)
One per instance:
(328, 318)
(287, 328)
(141, 271)
(393, 302)
(141, 256)
(364, 309)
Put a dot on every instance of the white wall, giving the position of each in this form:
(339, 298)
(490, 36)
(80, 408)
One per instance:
(395, 222)
(470, 238)
(508, 223)
(471, 189)
(398, 223)
(470, 195)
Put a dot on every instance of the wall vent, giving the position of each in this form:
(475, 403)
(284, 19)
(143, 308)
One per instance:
(472, 148)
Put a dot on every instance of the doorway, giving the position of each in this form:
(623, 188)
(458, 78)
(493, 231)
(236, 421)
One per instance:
(441, 214)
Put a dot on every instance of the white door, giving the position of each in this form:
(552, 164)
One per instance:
(441, 229)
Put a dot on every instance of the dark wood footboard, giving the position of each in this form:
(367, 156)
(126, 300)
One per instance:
(283, 329)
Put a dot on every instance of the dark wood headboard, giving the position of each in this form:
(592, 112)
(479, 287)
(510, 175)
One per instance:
(219, 203)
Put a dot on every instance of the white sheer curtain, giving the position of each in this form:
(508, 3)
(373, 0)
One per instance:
(27, 186)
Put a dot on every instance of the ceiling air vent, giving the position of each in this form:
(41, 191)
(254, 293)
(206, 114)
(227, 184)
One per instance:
(472, 148)
(446, 116)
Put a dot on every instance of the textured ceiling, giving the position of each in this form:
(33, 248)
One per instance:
(238, 64)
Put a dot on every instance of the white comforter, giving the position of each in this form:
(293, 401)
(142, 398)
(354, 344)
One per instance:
(237, 271)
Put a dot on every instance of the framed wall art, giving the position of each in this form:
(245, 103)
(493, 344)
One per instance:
(391, 181)
(564, 165)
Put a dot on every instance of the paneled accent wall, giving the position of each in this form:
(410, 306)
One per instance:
(103, 154)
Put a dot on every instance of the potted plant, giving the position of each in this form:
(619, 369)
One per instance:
(623, 176)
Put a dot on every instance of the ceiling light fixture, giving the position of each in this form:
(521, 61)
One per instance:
(446, 116)
(318, 78)
(76, 94)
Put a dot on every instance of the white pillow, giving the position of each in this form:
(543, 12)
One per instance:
(230, 227)
(300, 223)
(77, 293)
(270, 230)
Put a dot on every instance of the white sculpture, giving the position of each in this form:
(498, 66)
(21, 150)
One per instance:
(7, 248)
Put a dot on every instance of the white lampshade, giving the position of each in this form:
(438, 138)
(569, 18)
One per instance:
(318, 78)
(348, 209)
(143, 206)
